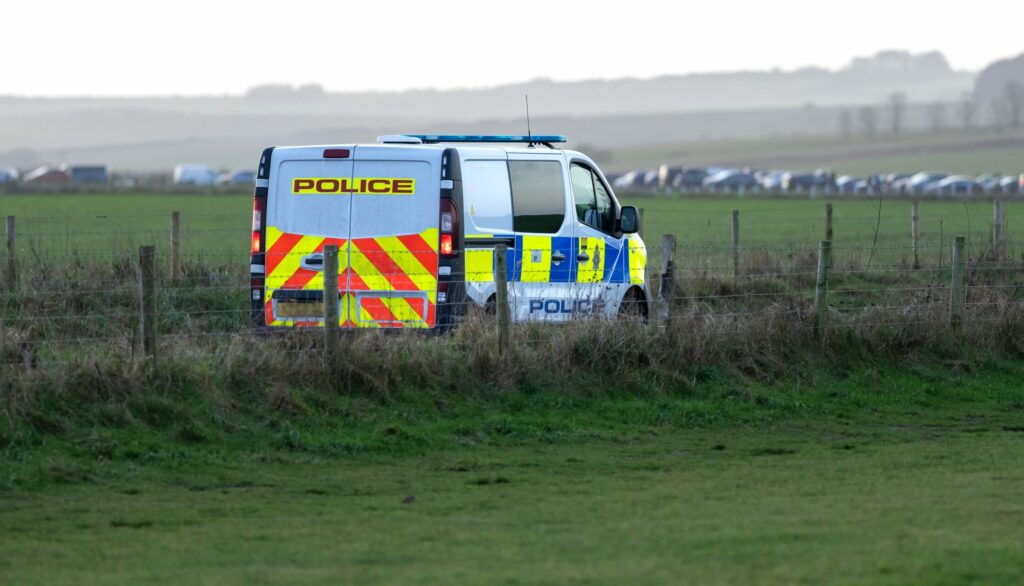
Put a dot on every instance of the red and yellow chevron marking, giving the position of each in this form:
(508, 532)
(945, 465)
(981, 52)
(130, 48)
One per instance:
(386, 281)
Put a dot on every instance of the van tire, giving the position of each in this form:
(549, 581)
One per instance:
(633, 305)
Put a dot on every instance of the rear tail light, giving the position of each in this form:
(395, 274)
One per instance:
(258, 209)
(449, 222)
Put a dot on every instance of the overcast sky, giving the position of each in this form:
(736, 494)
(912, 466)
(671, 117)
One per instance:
(108, 47)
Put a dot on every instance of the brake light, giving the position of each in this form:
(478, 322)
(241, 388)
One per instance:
(258, 207)
(336, 153)
(449, 222)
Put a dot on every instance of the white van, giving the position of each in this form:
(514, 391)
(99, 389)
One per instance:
(200, 175)
(417, 219)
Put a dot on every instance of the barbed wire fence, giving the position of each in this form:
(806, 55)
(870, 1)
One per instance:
(76, 284)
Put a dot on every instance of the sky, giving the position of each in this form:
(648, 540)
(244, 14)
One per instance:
(212, 47)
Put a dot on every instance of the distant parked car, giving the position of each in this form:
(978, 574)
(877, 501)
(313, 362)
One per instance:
(632, 180)
(689, 178)
(194, 175)
(8, 175)
(920, 181)
(237, 177)
(87, 173)
(871, 184)
(989, 183)
(820, 179)
(1011, 184)
(47, 175)
(730, 179)
(896, 182)
(772, 180)
(666, 175)
(849, 183)
(900, 185)
(651, 179)
(954, 185)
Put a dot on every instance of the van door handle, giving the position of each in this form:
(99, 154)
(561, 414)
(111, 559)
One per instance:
(557, 257)
(314, 262)
(583, 256)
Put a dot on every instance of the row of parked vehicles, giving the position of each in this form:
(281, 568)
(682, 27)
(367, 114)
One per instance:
(196, 175)
(56, 175)
(714, 179)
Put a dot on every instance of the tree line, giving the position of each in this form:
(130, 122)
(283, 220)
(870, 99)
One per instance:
(1004, 112)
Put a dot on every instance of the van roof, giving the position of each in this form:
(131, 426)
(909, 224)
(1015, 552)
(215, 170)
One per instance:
(511, 148)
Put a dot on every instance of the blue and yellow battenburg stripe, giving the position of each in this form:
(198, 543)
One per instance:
(530, 261)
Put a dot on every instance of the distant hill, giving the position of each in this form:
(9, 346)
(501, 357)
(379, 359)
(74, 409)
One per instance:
(206, 139)
(152, 133)
(992, 81)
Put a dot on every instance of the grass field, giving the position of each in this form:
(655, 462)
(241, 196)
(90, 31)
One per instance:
(729, 445)
(884, 475)
(216, 226)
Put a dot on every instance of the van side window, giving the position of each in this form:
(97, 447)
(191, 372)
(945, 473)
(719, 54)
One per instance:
(605, 207)
(583, 192)
(538, 196)
(594, 205)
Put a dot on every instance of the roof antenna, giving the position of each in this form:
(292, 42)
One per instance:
(529, 132)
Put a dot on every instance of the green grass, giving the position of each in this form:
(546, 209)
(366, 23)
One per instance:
(886, 474)
(90, 226)
(783, 227)
(216, 227)
(888, 455)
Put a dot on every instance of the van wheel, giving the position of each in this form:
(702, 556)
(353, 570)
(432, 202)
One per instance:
(634, 305)
(491, 306)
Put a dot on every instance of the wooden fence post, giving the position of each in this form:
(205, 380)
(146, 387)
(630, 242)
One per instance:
(640, 218)
(997, 229)
(667, 288)
(828, 222)
(957, 294)
(501, 306)
(735, 243)
(175, 246)
(821, 289)
(12, 275)
(330, 292)
(147, 300)
(915, 232)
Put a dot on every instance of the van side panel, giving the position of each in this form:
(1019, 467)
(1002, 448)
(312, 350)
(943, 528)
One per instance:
(488, 199)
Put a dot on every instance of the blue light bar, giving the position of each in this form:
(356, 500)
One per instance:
(535, 138)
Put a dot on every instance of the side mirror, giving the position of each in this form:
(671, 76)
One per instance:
(629, 220)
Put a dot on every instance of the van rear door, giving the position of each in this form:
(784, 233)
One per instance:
(393, 245)
(307, 209)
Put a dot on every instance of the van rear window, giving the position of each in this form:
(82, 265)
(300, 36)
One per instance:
(538, 196)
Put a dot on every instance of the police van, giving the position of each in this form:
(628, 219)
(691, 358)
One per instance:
(417, 218)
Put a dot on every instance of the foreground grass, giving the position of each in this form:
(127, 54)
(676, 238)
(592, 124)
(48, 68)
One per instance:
(881, 474)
